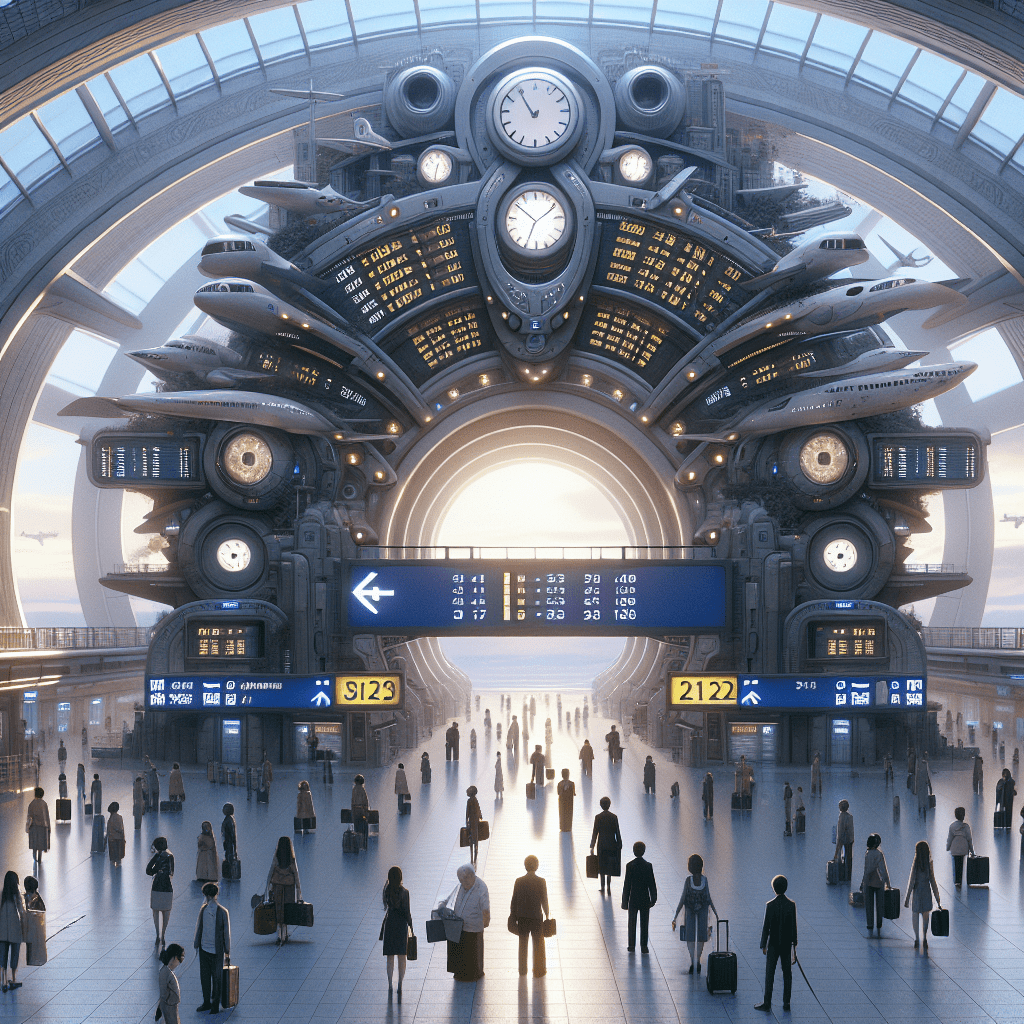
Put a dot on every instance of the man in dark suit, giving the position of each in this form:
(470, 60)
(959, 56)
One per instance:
(778, 942)
(451, 743)
(639, 894)
(529, 908)
(609, 844)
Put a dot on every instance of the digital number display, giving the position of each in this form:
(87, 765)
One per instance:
(378, 285)
(217, 640)
(630, 335)
(846, 692)
(308, 373)
(926, 460)
(432, 343)
(680, 273)
(857, 640)
(688, 691)
(120, 460)
(369, 691)
(535, 598)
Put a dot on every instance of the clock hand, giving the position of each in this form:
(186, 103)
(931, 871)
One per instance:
(533, 113)
(522, 209)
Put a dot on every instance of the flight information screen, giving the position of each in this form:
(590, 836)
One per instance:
(678, 272)
(401, 272)
(306, 372)
(215, 641)
(535, 597)
(926, 460)
(846, 692)
(152, 460)
(433, 342)
(848, 639)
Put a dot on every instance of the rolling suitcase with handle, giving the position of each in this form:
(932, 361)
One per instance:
(891, 904)
(977, 870)
(722, 968)
(63, 810)
(832, 872)
(940, 922)
(531, 791)
(229, 985)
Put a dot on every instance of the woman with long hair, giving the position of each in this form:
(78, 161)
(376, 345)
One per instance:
(161, 896)
(283, 882)
(12, 929)
(396, 926)
(696, 900)
(207, 868)
(921, 885)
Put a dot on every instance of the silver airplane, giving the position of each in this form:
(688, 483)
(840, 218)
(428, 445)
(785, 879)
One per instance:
(239, 256)
(813, 261)
(199, 357)
(41, 537)
(906, 259)
(301, 197)
(875, 360)
(1016, 520)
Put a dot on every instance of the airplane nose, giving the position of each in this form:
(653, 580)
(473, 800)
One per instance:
(147, 356)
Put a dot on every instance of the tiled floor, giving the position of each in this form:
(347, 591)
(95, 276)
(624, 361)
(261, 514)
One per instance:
(102, 967)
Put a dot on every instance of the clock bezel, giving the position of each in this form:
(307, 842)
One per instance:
(536, 258)
(429, 182)
(535, 155)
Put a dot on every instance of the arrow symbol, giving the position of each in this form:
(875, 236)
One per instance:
(320, 699)
(752, 697)
(362, 592)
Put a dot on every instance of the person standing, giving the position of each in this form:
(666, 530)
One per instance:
(844, 841)
(874, 882)
(62, 755)
(707, 794)
(229, 833)
(887, 767)
(922, 785)
(960, 843)
(266, 778)
(608, 840)
(499, 778)
(528, 911)
(35, 924)
(152, 786)
(207, 869)
(649, 775)
(283, 883)
(473, 905)
(96, 793)
(304, 809)
(396, 926)
(360, 808)
(213, 941)
(801, 810)
(80, 781)
(695, 901)
(979, 774)
(512, 737)
(587, 758)
(401, 786)
(12, 929)
(37, 825)
(161, 896)
(116, 841)
(614, 741)
(62, 786)
(175, 785)
(424, 768)
(639, 894)
(473, 818)
(566, 790)
(816, 774)
(472, 739)
(920, 885)
(1005, 792)
(138, 801)
(787, 806)
(170, 991)
(451, 742)
(778, 942)
(538, 761)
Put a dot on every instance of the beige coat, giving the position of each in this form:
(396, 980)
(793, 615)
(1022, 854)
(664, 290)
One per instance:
(170, 995)
(401, 782)
(37, 825)
(304, 804)
(175, 786)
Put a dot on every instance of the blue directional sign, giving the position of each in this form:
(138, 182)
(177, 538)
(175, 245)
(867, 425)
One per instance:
(846, 692)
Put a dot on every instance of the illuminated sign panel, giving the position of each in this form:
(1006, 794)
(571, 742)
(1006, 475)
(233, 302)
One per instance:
(926, 460)
(690, 691)
(644, 342)
(149, 460)
(847, 692)
(224, 641)
(434, 342)
(195, 692)
(311, 374)
(843, 639)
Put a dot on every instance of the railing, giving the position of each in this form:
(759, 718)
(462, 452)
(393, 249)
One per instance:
(927, 567)
(49, 638)
(128, 568)
(445, 552)
(17, 772)
(997, 638)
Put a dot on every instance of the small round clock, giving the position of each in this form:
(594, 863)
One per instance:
(535, 223)
(535, 116)
(435, 167)
(635, 165)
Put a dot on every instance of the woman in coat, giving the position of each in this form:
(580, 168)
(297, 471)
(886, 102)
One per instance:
(207, 868)
(283, 882)
(473, 817)
(922, 785)
(396, 926)
(874, 882)
(566, 790)
(229, 833)
(960, 843)
(586, 757)
(499, 778)
(695, 900)
(175, 785)
(170, 991)
(608, 840)
(360, 807)
(37, 825)
(80, 779)
(116, 842)
(304, 805)
(401, 786)
(161, 897)
(707, 794)
(921, 884)
(96, 793)
(12, 929)
(473, 905)
(138, 801)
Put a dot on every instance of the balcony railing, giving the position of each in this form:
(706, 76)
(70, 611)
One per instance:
(443, 552)
(990, 638)
(74, 638)
(927, 567)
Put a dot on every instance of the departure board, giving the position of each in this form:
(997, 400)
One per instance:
(846, 692)
(213, 641)
(535, 597)
(307, 373)
(847, 640)
(680, 273)
(433, 342)
(149, 460)
(926, 461)
(630, 335)
(374, 287)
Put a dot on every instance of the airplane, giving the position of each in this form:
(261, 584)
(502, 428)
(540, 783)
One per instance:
(813, 261)
(906, 259)
(365, 136)
(314, 97)
(1016, 520)
(303, 197)
(239, 256)
(39, 536)
(875, 360)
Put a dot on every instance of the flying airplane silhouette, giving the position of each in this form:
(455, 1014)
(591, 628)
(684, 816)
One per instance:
(1016, 520)
(39, 536)
(906, 259)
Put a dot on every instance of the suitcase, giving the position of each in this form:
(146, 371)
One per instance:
(346, 815)
(483, 831)
(299, 914)
(722, 971)
(229, 985)
(404, 803)
(464, 836)
(593, 869)
(349, 842)
(891, 904)
(63, 810)
(801, 824)
(88, 809)
(549, 773)
(99, 834)
(531, 791)
(264, 919)
(231, 870)
(977, 870)
(931, 800)
(263, 796)
(304, 824)
(170, 807)
(832, 872)
(856, 898)
(940, 922)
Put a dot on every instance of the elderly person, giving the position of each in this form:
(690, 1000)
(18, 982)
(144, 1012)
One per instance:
(473, 905)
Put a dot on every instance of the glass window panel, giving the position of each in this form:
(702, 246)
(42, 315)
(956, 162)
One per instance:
(997, 369)
(25, 150)
(1002, 122)
(230, 47)
(277, 33)
(9, 192)
(139, 84)
(696, 16)
(788, 29)
(836, 43)
(185, 66)
(69, 124)
(884, 61)
(741, 20)
(634, 13)
(963, 100)
(373, 16)
(81, 363)
(564, 10)
(930, 81)
(326, 22)
(134, 286)
(113, 112)
(506, 10)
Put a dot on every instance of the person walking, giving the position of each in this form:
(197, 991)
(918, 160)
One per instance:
(473, 818)
(360, 808)
(695, 901)
(887, 768)
(614, 741)
(922, 785)
(424, 768)
(304, 809)
(96, 793)
(528, 912)
(787, 807)
(920, 885)
(80, 781)
(707, 795)
(397, 926)
(13, 917)
(161, 896)
(587, 758)
(37, 825)
(816, 774)
(639, 894)
(538, 761)
(649, 775)
(451, 742)
(874, 882)
(512, 738)
(979, 774)
(167, 982)
(608, 840)
(566, 790)
(401, 786)
(207, 863)
(1005, 792)
(778, 943)
(283, 883)
(959, 843)
(229, 833)
(116, 840)
(499, 779)
(266, 778)
(844, 841)
(473, 905)
(175, 785)
(138, 801)
(152, 786)
(213, 941)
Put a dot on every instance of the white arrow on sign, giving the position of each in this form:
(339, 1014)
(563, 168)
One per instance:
(362, 592)
(320, 699)
(751, 698)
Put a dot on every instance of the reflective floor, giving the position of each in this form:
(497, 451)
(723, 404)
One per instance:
(101, 956)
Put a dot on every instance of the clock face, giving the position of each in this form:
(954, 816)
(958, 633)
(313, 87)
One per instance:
(535, 220)
(233, 555)
(635, 165)
(435, 166)
(840, 555)
(535, 116)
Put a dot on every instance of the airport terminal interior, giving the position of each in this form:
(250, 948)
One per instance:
(395, 389)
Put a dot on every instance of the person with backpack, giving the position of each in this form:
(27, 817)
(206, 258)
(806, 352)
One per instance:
(161, 897)
(959, 843)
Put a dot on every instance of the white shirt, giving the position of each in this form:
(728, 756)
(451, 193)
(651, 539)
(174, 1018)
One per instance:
(209, 939)
(470, 905)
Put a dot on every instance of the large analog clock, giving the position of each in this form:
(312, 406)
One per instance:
(535, 115)
(535, 224)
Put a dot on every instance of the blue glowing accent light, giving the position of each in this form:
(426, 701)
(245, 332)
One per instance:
(227, 605)
(842, 604)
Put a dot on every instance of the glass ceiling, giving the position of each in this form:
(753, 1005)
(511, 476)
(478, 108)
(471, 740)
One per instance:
(41, 143)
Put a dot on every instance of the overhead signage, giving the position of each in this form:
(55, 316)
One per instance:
(846, 692)
(535, 597)
(364, 691)
(939, 458)
(692, 690)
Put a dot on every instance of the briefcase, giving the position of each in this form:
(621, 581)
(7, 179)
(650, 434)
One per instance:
(550, 928)
(549, 773)
(891, 904)
(977, 870)
(304, 825)
(593, 868)
(531, 791)
(722, 966)
(411, 948)
(373, 817)
(88, 808)
(800, 824)
(63, 810)
(483, 831)
(346, 815)
(229, 985)
(856, 898)
(231, 869)
(931, 800)
(299, 914)
(831, 872)
(264, 919)
(940, 922)
(435, 930)
(464, 839)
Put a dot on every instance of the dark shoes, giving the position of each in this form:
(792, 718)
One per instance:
(631, 949)
(644, 952)
(767, 1007)
(698, 967)
(203, 1008)
(690, 971)
(785, 1006)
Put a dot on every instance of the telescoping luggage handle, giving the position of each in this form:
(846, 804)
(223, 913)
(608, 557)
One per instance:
(719, 921)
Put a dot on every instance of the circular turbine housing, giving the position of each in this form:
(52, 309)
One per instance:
(222, 552)
(649, 99)
(249, 467)
(419, 100)
(850, 554)
(824, 465)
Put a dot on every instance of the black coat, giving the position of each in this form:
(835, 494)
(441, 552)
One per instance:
(606, 835)
(638, 887)
(779, 931)
(530, 898)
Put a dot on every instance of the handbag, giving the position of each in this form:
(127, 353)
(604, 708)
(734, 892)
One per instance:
(513, 924)
(264, 919)
(299, 914)
(411, 948)
(450, 923)
(435, 930)
(550, 928)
